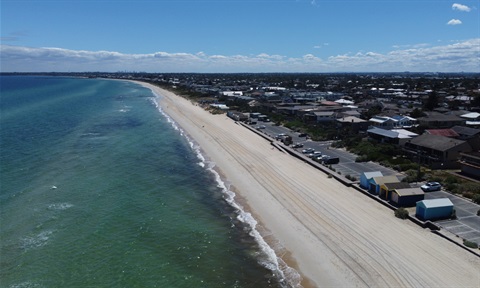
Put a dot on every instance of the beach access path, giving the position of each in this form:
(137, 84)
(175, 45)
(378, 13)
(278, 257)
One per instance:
(336, 236)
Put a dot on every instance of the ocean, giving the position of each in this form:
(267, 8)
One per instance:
(99, 188)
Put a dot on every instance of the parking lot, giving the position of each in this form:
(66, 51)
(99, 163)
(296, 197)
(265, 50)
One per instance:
(467, 224)
(347, 164)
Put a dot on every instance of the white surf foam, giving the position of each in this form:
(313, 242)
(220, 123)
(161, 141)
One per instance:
(26, 284)
(269, 259)
(39, 240)
(60, 206)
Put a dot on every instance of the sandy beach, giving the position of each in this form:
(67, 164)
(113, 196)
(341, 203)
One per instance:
(335, 236)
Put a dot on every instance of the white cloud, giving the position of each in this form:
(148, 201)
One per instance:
(406, 46)
(461, 7)
(455, 57)
(454, 22)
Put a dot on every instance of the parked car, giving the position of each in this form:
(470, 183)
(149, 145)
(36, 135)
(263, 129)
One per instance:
(260, 127)
(297, 145)
(279, 136)
(431, 186)
(308, 151)
(302, 135)
(330, 160)
(317, 154)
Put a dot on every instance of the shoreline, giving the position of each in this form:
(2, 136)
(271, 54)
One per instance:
(335, 236)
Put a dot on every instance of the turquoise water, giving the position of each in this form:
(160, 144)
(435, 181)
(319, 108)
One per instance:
(99, 189)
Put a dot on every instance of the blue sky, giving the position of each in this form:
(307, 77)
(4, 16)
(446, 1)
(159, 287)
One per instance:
(240, 36)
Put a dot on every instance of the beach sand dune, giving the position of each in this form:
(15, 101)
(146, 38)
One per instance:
(336, 236)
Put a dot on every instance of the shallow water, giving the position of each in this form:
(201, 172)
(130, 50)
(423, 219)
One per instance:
(98, 188)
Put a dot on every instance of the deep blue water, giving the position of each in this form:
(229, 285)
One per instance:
(99, 189)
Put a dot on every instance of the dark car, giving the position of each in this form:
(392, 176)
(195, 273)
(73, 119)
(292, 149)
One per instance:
(330, 160)
(297, 145)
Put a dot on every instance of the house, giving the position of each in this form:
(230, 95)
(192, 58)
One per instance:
(398, 136)
(472, 119)
(350, 113)
(386, 189)
(433, 209)
(237, 116)
(470, 164)
(471, 135)
(383, 122)
(322, 116)
(407, 197)
(344, 102)
(293, 110)
(231, 93)
(442, 132)
(404, 121)
(219, 106)
(356, 124)
(366, 177)
(439, 120)
(377, 182)
(438, 152)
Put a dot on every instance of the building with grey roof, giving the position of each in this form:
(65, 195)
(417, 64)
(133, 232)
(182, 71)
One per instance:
(437, 152)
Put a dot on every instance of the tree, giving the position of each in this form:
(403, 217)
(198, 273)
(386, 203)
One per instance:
(432, 101)
(416, 113)
(476, 101)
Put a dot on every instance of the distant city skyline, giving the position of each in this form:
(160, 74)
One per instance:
(240, 36)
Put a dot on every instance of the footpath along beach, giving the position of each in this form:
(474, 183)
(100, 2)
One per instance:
(334, 235)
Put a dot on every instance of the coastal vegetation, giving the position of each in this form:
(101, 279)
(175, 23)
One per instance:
(401, 213)
(470, 244)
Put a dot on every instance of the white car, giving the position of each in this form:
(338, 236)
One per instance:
(431, 186)
(308, 150)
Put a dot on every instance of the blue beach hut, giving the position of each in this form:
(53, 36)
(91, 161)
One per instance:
(366, 177)
(433, 209)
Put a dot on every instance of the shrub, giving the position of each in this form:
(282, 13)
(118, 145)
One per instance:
(401, 213)
(451, 179)
(476, 198)
(361, 159)
(470, 244)
(450, 187)
(468, 195)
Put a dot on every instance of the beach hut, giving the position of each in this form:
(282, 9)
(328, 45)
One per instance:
(377, 182)
(407, 197)
(365, 178)
(386, 189)
(433, 209)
